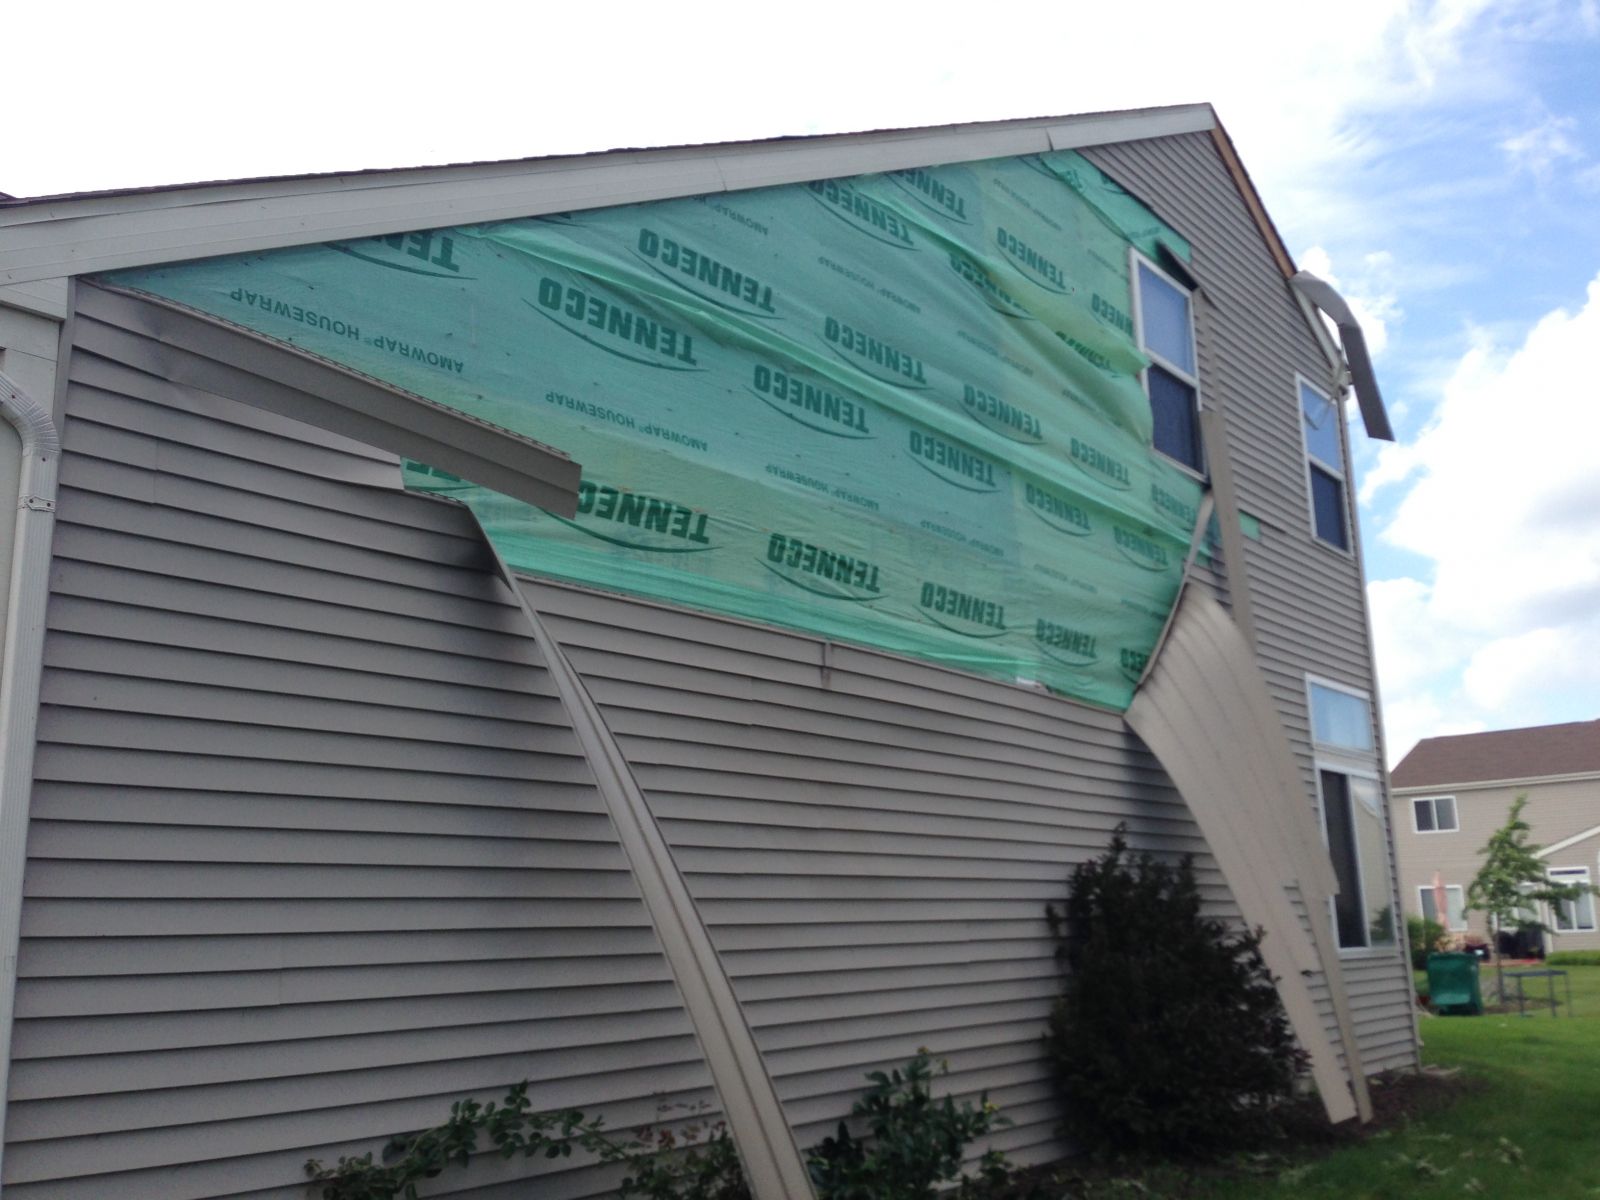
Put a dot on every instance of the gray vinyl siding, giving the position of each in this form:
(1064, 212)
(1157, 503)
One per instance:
(313, 853)
(904, 825)
(1306, 597)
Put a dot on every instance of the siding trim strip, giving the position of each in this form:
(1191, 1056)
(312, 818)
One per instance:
(749, 1098)
(23, 666)
(206, 353)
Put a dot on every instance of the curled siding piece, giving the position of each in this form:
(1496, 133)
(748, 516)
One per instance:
(750, 1102)
(1204, 711)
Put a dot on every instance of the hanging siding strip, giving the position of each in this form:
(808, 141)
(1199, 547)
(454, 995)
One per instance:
(319, 393)
(1196, 711)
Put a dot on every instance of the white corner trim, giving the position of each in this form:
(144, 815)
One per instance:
(20, 668)
(1565, 842)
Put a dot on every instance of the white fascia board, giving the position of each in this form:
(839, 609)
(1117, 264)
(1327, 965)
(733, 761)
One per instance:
(54, 238)
(1469, 785)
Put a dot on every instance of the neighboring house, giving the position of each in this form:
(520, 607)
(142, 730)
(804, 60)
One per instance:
(1451, 793)
(741, 765)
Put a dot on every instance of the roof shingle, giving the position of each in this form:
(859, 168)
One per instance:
(1543, 750)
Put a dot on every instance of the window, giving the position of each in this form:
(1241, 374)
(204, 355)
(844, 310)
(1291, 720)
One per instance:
(1165, 320)
(1351, 800)
(1455, 902)
(1572, 916)
(1434, 814)
(1320, 421)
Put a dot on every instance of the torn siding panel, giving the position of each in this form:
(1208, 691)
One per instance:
(1203, 709)
(1306, 598)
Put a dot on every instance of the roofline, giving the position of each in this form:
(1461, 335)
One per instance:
(55, 237)
(1418, 789)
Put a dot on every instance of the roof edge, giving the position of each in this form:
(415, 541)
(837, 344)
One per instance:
(54, 237)
(1418, 789)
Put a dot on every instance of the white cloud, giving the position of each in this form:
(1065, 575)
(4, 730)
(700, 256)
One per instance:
(1539, 149)
(1506, 508)
(395, 86)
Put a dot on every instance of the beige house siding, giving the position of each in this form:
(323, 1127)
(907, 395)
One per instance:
(1558, 809)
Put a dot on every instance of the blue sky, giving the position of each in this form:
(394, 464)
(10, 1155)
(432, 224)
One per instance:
(1439, 159)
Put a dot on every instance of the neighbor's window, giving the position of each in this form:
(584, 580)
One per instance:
(1165, 320)
(1351, 800)
(1455, 901)
(1434, 814)
(1320, 419)
(1572, 916)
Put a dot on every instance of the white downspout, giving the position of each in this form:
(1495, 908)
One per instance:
(20, 669)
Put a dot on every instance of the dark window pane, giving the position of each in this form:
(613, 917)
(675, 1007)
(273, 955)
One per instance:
(1177, 425)
(1336, 816)
(1327, 505)
(1424, 815)
(1445, 806)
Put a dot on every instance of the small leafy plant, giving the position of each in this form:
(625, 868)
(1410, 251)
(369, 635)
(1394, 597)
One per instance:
(512, 1127)
(913, 1142)
(696, 1161)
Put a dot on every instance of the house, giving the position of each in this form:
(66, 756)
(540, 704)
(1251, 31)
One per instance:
(662, 625)
(1451, 793)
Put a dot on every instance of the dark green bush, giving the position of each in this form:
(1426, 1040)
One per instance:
(1426, 937)
(1168, 1037)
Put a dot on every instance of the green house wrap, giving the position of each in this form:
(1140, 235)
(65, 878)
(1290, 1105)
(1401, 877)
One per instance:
(903, 410)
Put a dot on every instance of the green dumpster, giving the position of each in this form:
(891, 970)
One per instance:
(1453, 985)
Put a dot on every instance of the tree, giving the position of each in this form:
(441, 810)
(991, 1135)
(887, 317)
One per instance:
(1513, 877)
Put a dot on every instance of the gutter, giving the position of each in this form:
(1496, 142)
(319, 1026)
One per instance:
(20, 669)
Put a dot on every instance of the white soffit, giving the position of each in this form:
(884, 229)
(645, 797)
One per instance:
(74, 235)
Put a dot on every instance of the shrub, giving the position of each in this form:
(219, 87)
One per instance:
(1168, 1036)
(1426, 937)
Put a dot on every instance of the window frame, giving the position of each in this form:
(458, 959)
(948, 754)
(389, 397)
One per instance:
(1340, 476)
(1555, 908)
(1191, 379)
(1426, 889)
(1360, 764)
(1455, 809)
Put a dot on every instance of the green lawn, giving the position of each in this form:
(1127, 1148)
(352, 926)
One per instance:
(1526, 1125)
